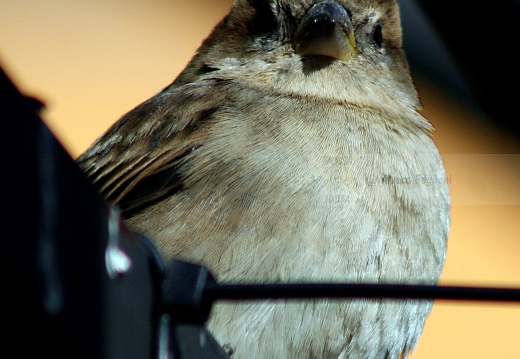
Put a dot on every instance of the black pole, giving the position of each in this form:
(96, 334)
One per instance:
(246, 292)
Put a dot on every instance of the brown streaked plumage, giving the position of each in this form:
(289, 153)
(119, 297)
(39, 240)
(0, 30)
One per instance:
(291, 149)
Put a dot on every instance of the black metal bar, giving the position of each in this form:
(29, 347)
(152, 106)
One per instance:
(246, 292)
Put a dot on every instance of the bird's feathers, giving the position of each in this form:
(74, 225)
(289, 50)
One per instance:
(268, 166)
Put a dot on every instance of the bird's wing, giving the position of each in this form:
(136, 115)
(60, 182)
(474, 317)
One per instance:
(137, 161)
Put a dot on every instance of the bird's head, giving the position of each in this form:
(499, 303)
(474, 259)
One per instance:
(341, 50)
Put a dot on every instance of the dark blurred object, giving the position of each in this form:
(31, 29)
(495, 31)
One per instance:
(75, 282)
(481, 41)
(62, 280)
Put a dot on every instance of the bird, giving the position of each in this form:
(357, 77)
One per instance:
(291, 148)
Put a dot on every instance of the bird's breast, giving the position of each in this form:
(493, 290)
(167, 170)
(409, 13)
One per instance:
(337, 195)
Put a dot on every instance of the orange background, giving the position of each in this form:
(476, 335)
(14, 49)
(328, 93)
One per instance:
(92, 61)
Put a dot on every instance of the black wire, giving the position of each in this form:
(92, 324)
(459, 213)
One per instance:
(248, 292)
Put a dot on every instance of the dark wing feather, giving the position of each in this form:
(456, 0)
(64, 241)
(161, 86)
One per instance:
(138, 160)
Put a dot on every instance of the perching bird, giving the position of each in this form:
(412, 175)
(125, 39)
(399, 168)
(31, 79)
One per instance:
(290, 149)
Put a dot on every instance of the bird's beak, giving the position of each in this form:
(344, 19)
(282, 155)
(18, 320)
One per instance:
(326, 30)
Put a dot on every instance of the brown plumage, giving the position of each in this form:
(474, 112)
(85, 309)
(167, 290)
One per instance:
(291, 149)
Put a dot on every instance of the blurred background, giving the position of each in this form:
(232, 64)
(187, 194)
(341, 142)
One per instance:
(92, 61)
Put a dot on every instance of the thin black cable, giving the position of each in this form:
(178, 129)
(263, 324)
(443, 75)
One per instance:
(247, 292)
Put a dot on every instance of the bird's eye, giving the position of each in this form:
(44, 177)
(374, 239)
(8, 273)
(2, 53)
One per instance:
(377, 34)
(264, 21)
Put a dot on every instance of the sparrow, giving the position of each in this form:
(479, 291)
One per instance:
(291, 149)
